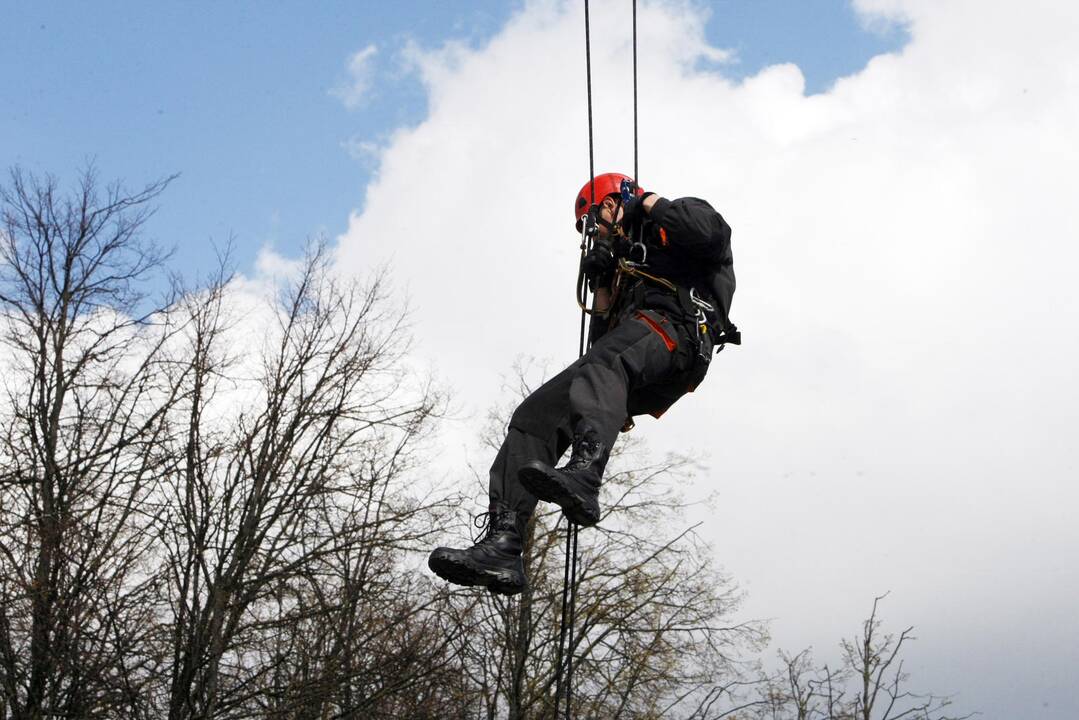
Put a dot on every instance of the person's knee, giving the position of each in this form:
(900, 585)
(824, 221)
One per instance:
(526, 415)
(535, 420)
(543, 409)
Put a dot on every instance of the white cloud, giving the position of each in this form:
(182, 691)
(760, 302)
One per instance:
(271, 266)
(903, 413)
(354, 91)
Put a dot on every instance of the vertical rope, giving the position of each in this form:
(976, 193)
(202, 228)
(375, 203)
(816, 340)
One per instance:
(564, 672)
(580, 345)
(572, 617)
(588, 78)
(591, 164)
(559, 675)
(569, 577)
(636, 177)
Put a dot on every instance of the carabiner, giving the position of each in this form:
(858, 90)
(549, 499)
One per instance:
(588, 225)
(701, 304)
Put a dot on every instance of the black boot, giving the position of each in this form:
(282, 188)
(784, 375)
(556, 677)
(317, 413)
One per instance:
(575, 485)
(494, 562)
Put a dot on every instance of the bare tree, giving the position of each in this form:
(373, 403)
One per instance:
(84, 408)
(800, 690)
(196, 526)
(870, 683)
(875, 660)
(286, 520)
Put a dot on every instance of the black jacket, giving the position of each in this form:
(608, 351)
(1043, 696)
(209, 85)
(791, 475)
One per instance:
(689, 243)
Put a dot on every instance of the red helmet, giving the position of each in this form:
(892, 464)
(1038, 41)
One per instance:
(604, 185)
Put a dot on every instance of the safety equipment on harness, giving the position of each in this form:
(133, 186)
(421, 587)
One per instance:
(630, 285)
(594, 192)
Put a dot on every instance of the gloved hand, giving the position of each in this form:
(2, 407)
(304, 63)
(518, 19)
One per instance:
(633, 212)
(598, 262)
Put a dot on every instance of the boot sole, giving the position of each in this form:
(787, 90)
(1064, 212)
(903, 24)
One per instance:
(461, 571)
(537, 479)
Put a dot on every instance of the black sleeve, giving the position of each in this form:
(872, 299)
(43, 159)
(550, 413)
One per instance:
(597, 327)
(692, 225)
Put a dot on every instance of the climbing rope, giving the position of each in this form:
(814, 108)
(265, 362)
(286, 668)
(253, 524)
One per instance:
(636, 177)
(564, 670)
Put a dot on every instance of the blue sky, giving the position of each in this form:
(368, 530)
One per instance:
(236, 97)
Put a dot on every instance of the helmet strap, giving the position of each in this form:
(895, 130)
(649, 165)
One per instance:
(600, 220)
(614, 228)
(617, 230)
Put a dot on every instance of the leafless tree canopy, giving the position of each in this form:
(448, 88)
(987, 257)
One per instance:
(190, 528)
(868, 683)
(85, 406)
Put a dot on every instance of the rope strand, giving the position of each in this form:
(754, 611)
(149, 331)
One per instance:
(636, 177)
(562, 628)
(569, 578)
(588, 77)
(572, 617)
(564, 670)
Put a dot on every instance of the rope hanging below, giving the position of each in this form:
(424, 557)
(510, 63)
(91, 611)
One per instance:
(564, 670)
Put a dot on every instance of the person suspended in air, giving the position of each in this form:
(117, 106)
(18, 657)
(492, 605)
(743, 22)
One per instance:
(662, 275)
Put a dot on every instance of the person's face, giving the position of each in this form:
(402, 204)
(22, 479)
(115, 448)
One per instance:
(611, 211)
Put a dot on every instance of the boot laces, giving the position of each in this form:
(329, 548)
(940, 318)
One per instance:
(483, 523)
(584, 454)
(493, 520)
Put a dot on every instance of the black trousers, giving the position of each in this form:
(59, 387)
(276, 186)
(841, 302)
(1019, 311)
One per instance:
(641, 366)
